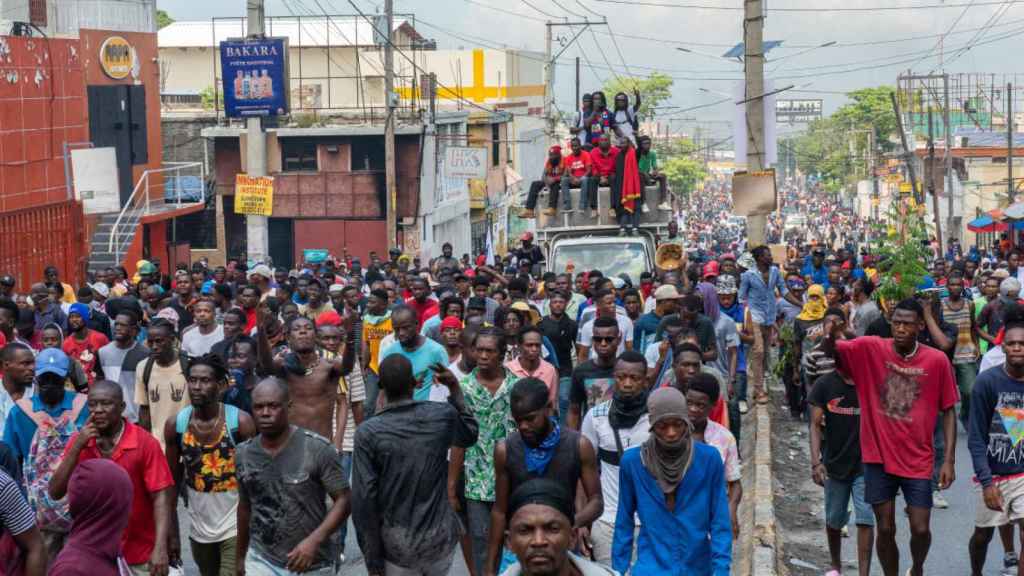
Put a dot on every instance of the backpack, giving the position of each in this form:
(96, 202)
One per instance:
(147, 371)
(230, 418)
(44, 455)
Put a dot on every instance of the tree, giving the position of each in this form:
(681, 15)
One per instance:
(680, 164)
(163, 19)
(209, 99)
(654, 90)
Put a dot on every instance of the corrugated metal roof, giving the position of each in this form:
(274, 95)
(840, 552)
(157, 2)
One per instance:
(985, 138)
(307, 31)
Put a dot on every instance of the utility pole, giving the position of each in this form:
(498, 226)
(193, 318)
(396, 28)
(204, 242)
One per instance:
(931, 181)
(1010, 188)
(753, 69)
(389, 129)
(549, 81)
(908, 156)
(951, 230)
(577, 80)
(257, 235)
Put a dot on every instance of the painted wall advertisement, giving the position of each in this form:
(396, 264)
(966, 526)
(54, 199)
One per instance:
(255, 77)
(465, 162)
(254, 195)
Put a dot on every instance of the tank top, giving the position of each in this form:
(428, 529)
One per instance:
(210, 476)
(564, 468)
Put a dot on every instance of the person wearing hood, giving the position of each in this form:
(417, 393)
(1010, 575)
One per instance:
(100, 501)
(676, 489)
(806, 332)
(612, 427)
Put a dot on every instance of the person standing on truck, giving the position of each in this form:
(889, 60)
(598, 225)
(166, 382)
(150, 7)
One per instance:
(603, 159)
(529, 251)
(579, 128)
(554, 168)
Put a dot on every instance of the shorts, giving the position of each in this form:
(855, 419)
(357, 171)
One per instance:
(837, 501)
(1013, 504)
(881, 487)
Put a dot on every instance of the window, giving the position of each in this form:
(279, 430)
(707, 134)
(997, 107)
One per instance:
(495, 143)
(298, 155)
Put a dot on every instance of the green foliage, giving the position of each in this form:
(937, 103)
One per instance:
(654, 90)
(678, 161)
(903, 253)
(163, 19)
(207, 96)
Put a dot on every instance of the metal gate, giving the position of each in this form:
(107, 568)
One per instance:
(35, 238)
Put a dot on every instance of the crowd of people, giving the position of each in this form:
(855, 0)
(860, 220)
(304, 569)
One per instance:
(534, 423)
(606, 150)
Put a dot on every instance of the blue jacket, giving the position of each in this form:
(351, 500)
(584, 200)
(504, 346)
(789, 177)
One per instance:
(695, 539)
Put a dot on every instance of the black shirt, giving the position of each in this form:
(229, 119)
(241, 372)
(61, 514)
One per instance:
(591, 385)
(840, 451)
(562, 334)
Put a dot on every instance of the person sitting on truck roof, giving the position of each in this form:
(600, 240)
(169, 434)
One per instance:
(603, 160)
(577, 175)
(647, 159)
(552, 177)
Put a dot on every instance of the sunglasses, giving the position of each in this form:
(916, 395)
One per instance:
(604, 338)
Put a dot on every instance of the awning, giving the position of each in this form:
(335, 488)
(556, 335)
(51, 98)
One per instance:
(985, 223)
(1014, 211)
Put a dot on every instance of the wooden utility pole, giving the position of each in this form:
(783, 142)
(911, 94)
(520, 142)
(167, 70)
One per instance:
(257, 232)
(549, 82)
(389, 129)
(931, 181)
(753, 68)
(577, 81)
(1010, 188)
(908, 156)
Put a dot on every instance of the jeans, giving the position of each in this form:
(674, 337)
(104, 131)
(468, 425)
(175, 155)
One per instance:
(346, 470)
(585, 185)
(564, 385)
(535, 187)
(966, 373)
(478, 513)
(372, 382)
(661, 180)
(257, 565)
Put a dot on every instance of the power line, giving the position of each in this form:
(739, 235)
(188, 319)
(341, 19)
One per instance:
(548, 14)
(564, 9)
(943, 37)
(866, 9)
(993, 19)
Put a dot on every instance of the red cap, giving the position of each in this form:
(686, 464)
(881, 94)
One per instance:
(329, 318)
(555, 148)
(527, 235)
(847, 265)
(451, 322)
(710, 270)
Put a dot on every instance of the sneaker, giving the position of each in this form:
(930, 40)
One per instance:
(593, 213)
(526, 213)
(341, 558)
(645, 208)
(1010, 564)
(548, 212)
(612, 213)
(938, 501)
(622, 231)
(665, 206)
(845, 532)
(744, 407)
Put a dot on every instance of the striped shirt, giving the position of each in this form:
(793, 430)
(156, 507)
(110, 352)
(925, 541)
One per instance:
(964, 351)
(16, 515)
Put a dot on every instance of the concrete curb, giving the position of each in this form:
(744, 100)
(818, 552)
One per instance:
(764, 562)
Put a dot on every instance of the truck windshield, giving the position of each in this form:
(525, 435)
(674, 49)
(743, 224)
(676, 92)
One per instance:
(611, 259)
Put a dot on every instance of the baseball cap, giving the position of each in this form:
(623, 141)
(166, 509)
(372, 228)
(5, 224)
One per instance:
(726, 285)
(710, 269)
(52, 361)
(7, 280)
(146, 267)
(666, 292)
(527, 235)
(100, 288)
(618, 283)
(260, 270)
(796, 284)
(336, 288)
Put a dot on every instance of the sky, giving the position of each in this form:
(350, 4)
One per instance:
(900, 40)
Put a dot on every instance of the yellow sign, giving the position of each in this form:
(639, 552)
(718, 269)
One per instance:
(117, 57)
(254, 195)
(894, 178)
(905, 188)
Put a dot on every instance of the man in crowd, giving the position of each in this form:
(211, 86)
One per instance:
(19, 370)
(592, 379)
(421, 351)
(109, 435)
(19, 520)
(199, 338)
(529, 363)
(902, 387)
(160, 385)
(46, 310)
(604, 303)
(757, 289)
(959, 311)
(398, 533)
(578, 174)
(645, 329)
(554, 169)
(687, 529)
(647, 160)
(540, 448)
(285, 475)
(560, 330)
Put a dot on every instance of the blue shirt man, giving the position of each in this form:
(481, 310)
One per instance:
(758, 294)
(51, 399)
(815, 268)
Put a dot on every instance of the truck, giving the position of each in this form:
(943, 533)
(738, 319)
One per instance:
(584, 243)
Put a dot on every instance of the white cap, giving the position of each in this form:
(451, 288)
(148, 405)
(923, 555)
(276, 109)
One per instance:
(100, 288)
(260, 270)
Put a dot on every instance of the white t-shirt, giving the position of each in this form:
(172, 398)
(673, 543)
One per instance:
(598, 430)
(994, 357)
(625, 126)
(194, 343)
(439, 392)
(586, 337)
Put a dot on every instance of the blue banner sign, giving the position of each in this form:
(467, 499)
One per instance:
(255, 77)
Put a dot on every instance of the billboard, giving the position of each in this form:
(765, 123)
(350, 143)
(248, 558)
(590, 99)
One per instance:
(254, 195)
(255, 77)
(797, 111)
(465, 162)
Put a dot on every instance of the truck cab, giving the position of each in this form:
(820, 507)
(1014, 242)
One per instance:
(573, 238)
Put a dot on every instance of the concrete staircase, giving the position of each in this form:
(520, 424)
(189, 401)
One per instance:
(100, 257)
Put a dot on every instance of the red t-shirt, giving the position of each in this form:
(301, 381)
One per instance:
(899, 402)
(139, 454)
(578, 164)
(424, 311)
(604, 165)
(86, 351)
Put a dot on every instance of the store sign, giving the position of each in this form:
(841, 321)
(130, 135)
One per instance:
(314, 255)
(117, 58)
(797, 111)
(465, 162)
(255, 77)
(254, 195)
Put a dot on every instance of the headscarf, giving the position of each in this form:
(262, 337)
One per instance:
(814, 306)
(538, 457)
(100, 501)
(667, 461)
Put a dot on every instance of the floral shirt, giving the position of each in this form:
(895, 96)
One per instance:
(721, 439)
(494, 416)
